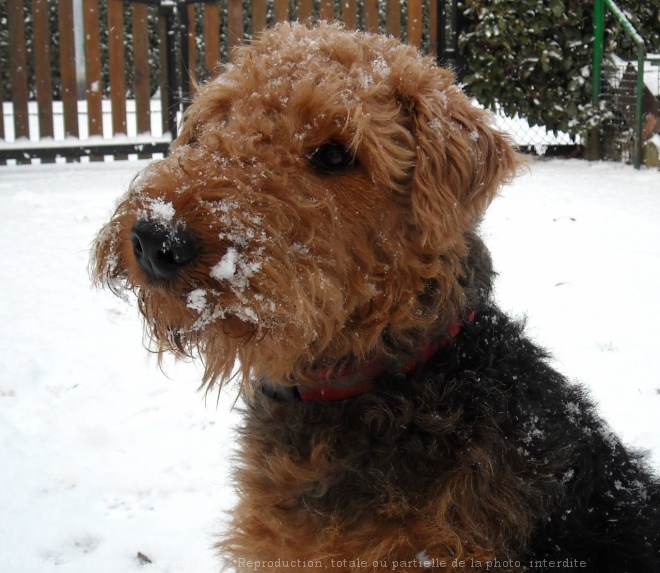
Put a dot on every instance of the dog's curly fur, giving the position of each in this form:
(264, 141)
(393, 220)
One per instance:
(331, 183)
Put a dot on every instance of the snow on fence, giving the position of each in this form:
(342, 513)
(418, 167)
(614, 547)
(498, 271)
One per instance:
(106, 144)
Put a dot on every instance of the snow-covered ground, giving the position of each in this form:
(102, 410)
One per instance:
(103, 456)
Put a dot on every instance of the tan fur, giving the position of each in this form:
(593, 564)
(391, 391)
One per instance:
(330, 269)
(430, 164)
(469, 518)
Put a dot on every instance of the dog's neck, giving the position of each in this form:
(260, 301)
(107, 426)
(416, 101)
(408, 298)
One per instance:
(330, 385)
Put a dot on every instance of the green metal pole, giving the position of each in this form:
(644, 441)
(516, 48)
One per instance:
(639, 111)
(593, 136)
(599, 37)
(641, 56)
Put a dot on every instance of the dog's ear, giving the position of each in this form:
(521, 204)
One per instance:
(210, 106)
(461, 160)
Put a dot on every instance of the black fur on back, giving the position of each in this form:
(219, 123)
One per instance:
(591, 501)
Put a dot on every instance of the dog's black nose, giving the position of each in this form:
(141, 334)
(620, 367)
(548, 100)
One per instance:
(162, 251)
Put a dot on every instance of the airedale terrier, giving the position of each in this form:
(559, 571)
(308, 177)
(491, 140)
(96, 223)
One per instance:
(314, 233)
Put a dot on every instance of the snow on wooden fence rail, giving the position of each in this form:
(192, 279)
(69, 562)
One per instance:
(126, 47)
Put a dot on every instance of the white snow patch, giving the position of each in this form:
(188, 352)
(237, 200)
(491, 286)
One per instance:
(161, 210)
(227, 266)
(197, 300)
(424, 559)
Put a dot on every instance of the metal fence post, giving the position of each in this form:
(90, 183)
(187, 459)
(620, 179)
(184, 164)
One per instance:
(599, 26)
(173, 99)
(599, 36)
(448, 29)
(593, 151)
(639, 109)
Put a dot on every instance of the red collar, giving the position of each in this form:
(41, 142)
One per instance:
(326, 385)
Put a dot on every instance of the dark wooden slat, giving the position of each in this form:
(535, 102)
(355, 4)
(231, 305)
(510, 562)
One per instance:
(141, 71)
(327, 10)
(349, 14)
(93, 67)
(68, 68)
(93, 70)
(2, 99)
(371, 16)
(393, 19)
(281, 10)
(117, 65)
(166, 96)
(191, 64)
(415, 22)
(18, 68)
(305, 10)
(2, 112)
(433, 28)
(141, 83)
(235, 22)
(211, 38)
(259, 10)
(42, 68)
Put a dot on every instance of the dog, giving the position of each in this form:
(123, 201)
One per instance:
(314, 233)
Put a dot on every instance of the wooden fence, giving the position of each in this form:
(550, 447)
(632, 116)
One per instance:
(42, 114)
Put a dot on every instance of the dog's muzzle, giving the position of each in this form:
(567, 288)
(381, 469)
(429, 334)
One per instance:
(162, 251)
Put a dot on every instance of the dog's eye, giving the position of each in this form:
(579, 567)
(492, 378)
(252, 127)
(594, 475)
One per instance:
(332, 158)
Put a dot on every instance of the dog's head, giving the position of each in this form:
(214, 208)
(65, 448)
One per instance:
(314, 209)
